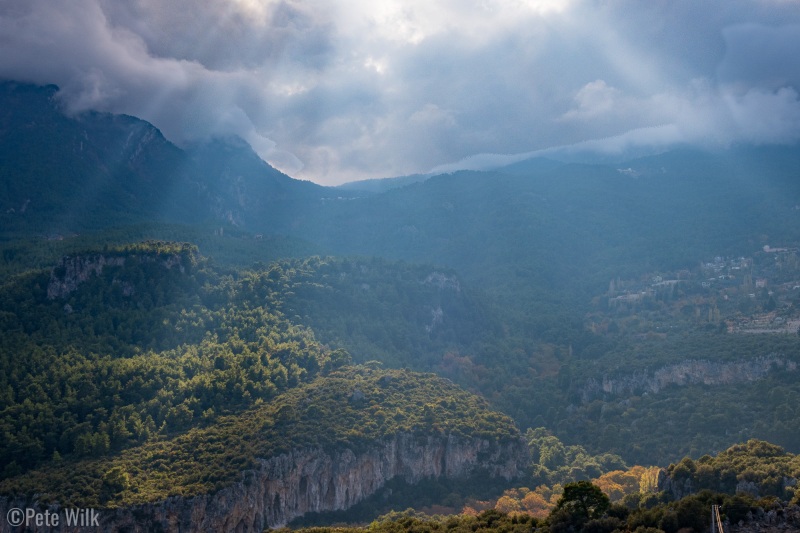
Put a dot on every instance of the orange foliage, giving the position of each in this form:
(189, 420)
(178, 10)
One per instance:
(507, 504)
(534, 504)
(476, 507)
(540, 501)
(537, 503)
(617, 484)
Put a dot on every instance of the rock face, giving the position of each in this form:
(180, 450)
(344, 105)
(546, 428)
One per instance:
(773, 521)
(678, 488)
(71, 271)
(690, 372)
(289, 485)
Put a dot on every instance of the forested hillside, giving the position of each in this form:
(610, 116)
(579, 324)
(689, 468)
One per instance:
(648, 399)
(352, 409)
(404, 315)
(111, 348)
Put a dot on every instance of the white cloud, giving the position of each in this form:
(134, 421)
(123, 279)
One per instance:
(593, 99)
(763, 116)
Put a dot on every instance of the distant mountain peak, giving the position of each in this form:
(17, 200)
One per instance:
(95, 170)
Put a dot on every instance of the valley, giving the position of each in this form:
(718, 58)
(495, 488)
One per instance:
(193, 340)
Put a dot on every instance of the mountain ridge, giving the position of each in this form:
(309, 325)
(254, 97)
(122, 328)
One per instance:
(61, 173)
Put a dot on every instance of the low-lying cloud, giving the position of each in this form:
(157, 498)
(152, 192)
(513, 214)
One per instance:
(335, 91)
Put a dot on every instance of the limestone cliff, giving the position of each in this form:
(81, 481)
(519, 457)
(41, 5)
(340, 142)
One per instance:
(289, 485)
(72, 271)
(689, 372)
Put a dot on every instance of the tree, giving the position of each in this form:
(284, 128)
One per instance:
(583, 500)
(115, 481)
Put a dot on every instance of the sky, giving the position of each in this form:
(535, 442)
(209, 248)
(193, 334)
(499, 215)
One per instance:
(340, 90)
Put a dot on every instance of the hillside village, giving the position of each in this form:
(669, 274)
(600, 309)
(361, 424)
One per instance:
(759, 294)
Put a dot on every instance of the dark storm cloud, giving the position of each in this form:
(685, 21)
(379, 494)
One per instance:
(335, 90)
(761, 55)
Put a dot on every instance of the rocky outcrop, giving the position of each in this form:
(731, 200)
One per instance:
(677, 488)
(289, 485)
(690, 372)
(782, 519)
(71, 271)
(681, 487)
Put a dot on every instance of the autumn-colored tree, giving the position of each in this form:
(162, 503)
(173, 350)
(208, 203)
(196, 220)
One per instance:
(534, 504)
